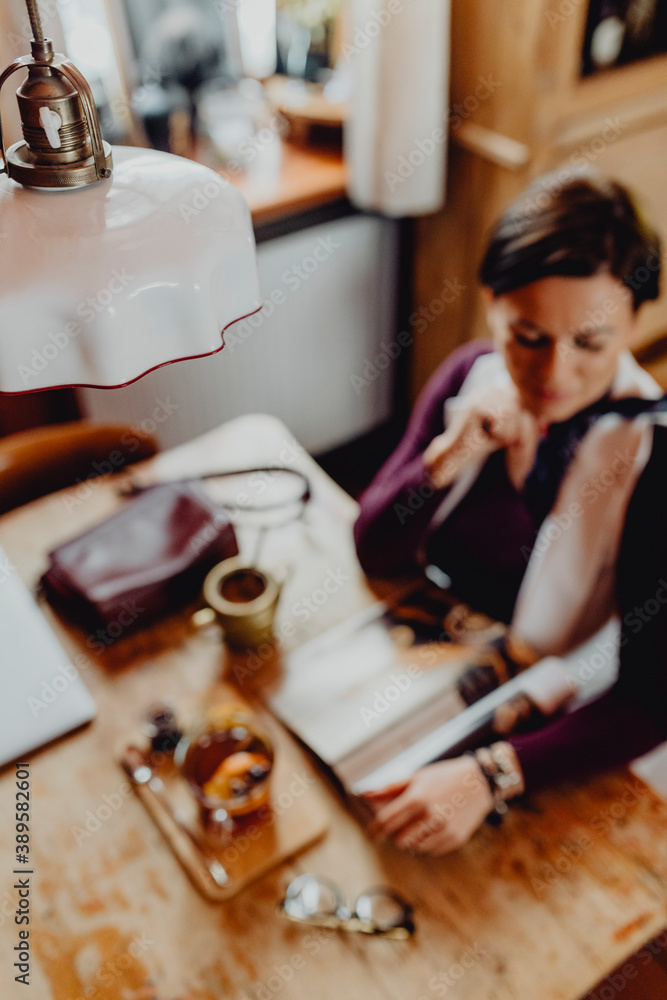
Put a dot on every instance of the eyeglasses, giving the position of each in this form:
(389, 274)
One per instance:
(314, 900)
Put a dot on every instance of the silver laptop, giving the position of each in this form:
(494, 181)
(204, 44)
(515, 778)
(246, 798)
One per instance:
(42, 695)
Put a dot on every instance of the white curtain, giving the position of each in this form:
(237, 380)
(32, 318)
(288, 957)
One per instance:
(15, 38)
(396, 139)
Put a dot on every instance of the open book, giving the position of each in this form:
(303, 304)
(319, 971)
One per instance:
(375, 698)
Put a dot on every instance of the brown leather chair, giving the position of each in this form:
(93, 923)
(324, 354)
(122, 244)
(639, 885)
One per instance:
(45, 459)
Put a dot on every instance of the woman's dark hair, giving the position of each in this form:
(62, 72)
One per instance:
(582, 225)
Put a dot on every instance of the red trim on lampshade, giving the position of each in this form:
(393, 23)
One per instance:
(121, 385)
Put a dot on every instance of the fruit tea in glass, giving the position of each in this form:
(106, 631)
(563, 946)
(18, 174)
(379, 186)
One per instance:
(227, 761)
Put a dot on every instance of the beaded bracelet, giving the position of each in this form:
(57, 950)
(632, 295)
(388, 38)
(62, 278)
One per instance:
(486, 766)
(509, 781)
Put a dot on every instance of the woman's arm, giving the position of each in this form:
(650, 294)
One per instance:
(606, 733)
(399, 503)
(626, 722)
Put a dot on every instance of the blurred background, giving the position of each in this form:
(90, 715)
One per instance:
(375, 144)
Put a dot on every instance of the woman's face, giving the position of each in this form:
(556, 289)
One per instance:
(561, 338)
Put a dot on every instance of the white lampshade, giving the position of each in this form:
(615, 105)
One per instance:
(101, 284)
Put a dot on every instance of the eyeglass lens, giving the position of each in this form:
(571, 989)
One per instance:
(312, 896)
(382, 908)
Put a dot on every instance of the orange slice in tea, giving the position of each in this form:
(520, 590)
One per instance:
(238, 765)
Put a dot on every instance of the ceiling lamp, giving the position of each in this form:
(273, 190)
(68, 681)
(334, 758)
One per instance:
(111, 264)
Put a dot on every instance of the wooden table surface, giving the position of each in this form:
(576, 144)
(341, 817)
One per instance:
(540, 909)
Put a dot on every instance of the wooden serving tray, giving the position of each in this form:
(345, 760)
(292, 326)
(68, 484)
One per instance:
(220, 865)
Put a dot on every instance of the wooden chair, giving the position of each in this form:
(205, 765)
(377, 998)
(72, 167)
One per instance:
(45, 459)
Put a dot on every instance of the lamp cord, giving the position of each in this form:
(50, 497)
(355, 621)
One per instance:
(35, 20)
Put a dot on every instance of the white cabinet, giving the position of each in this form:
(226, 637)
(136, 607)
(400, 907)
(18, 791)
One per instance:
(308, 358)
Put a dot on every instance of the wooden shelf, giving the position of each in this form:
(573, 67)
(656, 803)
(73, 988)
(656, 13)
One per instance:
(284, 179)
(305, 179)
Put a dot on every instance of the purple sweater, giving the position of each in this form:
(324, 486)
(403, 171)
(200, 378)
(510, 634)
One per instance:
(482, 547)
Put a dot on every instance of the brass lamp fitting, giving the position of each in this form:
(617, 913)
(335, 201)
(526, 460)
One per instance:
(62, 143)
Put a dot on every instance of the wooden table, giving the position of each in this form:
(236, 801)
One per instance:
(540, 909)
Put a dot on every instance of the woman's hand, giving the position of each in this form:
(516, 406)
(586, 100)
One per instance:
(436, 811)
(487, 421)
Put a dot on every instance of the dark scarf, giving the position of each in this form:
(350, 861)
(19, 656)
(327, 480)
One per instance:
(559, 446)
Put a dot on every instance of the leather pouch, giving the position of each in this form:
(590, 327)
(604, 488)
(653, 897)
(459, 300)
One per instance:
(147, 560)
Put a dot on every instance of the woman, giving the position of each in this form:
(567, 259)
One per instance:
(534, 473)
